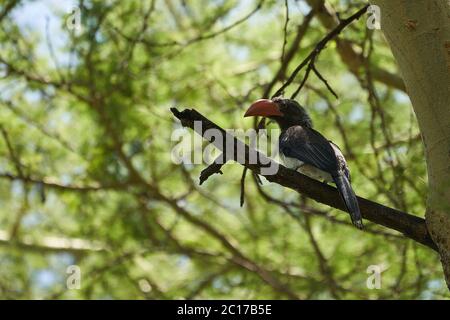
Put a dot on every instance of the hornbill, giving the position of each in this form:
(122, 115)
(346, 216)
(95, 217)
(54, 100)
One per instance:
(304, 149)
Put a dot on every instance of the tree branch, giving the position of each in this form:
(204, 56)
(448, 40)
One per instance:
(348, 51)
(309, 60)
(411, 226)
(8, 8)
(51, 244)
(54, 184)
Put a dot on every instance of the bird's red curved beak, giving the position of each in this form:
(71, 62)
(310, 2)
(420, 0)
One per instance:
(263, 107)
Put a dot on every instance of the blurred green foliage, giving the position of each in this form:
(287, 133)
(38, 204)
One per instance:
(87, 177)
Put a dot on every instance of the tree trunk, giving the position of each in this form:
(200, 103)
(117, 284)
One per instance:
(419, 35)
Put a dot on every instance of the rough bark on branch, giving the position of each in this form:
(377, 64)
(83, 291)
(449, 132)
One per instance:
(411, 226)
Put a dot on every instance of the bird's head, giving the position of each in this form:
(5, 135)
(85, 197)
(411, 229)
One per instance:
(286, 112)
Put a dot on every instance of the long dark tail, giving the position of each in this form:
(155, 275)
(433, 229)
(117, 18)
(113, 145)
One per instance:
(349, 198)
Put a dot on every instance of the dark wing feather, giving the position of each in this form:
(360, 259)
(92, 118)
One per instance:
(309, 146)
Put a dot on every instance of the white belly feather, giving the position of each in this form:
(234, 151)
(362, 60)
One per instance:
(291, 163)
(306, 169)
